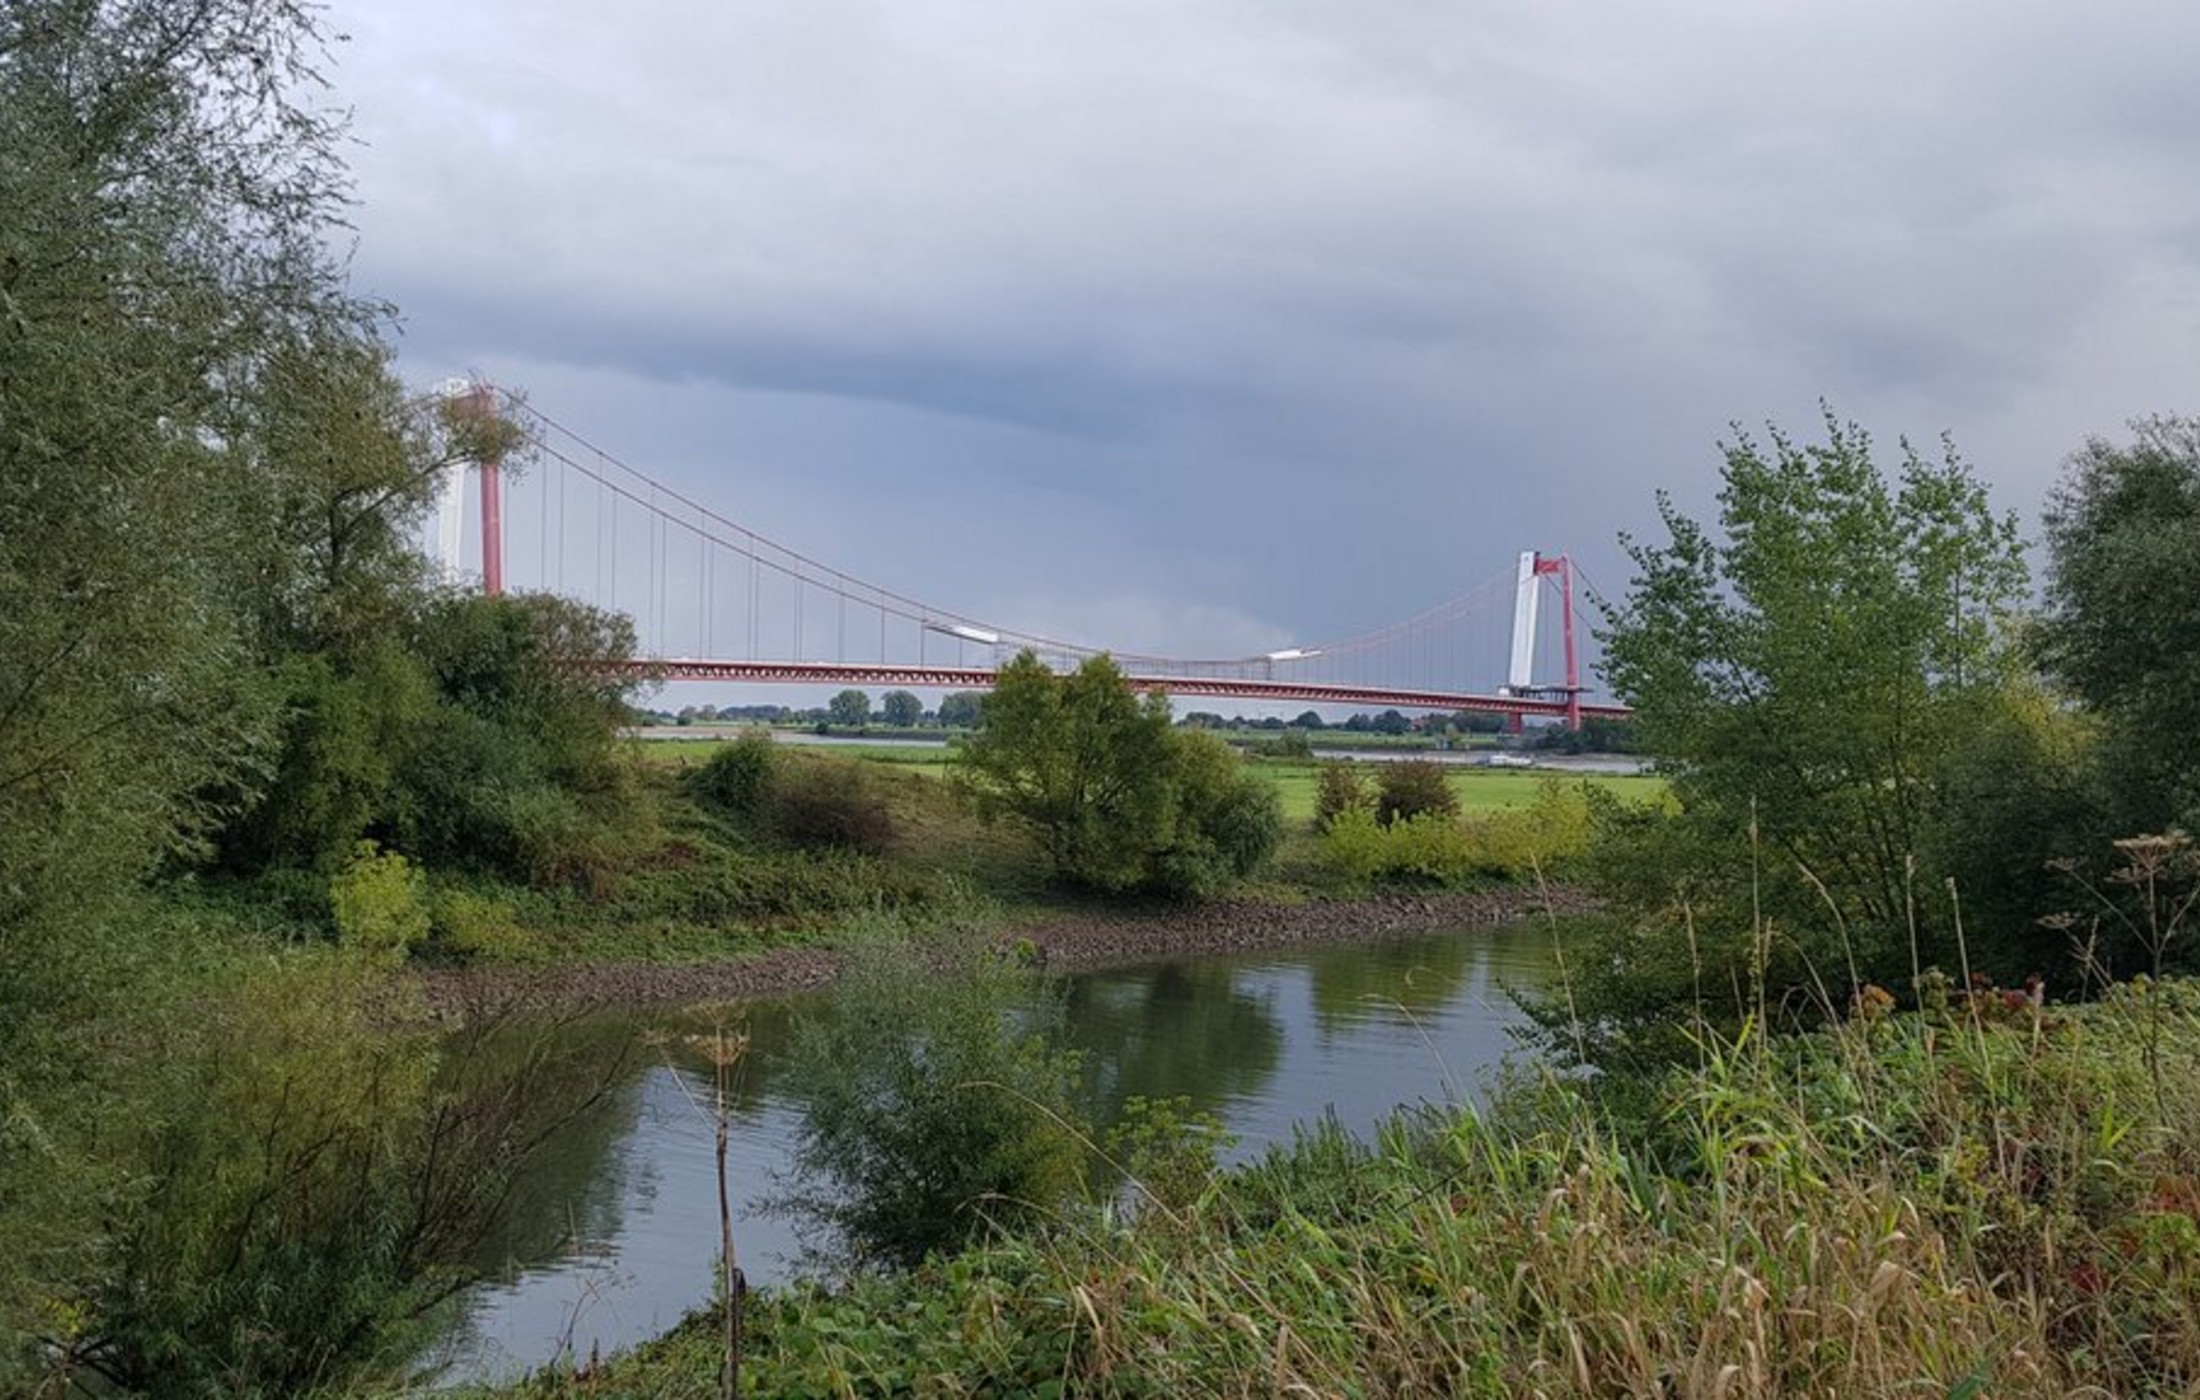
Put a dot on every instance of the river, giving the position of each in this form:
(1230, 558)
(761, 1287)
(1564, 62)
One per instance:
(616, 1230)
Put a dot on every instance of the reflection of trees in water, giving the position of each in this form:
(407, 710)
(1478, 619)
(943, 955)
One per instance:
(682, 1039)
(1391, 982)
(574, 1083)
(1182, 1028)
(1404, 982)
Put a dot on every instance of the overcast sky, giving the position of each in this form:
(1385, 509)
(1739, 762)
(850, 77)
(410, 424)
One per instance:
(1212, 326)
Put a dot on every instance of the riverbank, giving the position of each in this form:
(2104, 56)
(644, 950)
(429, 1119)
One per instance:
(1063, 941)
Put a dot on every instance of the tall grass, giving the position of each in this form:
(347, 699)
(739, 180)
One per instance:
(1985, 1197)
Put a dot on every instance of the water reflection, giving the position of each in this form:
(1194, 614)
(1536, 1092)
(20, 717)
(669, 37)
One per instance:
(615, 1232)
(1180, 1028)
(1397, 983)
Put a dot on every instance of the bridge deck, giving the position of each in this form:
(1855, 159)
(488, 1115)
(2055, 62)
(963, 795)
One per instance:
(981, 678)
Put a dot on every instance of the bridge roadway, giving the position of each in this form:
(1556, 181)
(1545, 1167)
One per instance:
(1231, 687)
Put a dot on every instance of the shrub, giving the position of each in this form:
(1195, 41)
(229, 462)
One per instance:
(831, 802)
(1291, 743)
(1519, 842)
(469, 925)
(1409, 789)
(1169, 1148)
(1428, 848)
(379, 903)
(737, 778)
(934, 1104)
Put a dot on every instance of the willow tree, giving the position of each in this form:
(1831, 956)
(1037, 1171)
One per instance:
(168, 186)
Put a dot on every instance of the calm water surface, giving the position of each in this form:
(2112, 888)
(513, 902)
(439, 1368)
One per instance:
(616, 1234)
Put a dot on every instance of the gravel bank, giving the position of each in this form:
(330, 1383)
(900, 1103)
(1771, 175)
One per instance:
(1067, 942)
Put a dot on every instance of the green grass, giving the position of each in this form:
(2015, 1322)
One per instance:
(1479, 789)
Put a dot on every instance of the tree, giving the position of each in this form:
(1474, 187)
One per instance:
(1390, 722)
(1339, 789)
(961, 710)
(2122, 627)
(1803, 675)
(1477, 722)
(167, 188)
(1079, 760)
(1118, 799)
(1225, 825)
(850, 709)
(1308, 719)
(900, 709)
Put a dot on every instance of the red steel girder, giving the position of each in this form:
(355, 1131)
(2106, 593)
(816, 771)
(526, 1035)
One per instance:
(981, 678)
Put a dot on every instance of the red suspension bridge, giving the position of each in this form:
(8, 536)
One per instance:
(713, 600)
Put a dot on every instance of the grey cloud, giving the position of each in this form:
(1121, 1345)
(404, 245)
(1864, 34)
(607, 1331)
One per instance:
(1310, 312)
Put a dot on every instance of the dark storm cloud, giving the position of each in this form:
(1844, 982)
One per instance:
(1310, 313)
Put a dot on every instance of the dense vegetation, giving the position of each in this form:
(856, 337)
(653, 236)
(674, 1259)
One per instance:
(1874, 767)
(229, 1163)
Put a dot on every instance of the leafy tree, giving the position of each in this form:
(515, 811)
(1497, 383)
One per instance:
(1118, 799)
(1803, 675)
(517, 768)
(2122, 628)
(1308, 719)
(1416, 787)
(1391, 722)
(167, 185)
(1477, 722)
(851, 709)
(961, 710)
(1227, 822)
(900, 709)
(1079, 760)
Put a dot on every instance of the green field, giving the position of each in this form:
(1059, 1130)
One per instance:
(1479, 789)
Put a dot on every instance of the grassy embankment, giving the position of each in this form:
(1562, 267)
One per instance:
(1977, 1199)
(696, 886)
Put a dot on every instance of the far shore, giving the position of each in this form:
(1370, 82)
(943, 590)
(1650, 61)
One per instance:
(1062, 941)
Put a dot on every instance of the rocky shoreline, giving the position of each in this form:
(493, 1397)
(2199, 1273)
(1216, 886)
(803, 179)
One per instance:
(1063, 942)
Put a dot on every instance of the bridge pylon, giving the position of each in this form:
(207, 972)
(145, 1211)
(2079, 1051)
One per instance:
(472, 400)
(1527, 603)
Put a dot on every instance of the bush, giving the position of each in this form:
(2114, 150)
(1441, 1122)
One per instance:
(935, 1106)
(737, 778)
(1429, 848)
(1520, 842)
(1433, 848)
(1291, 743)
(379, 903)
(468, 925)
(1169, 1148)
(1410, 789)
(831, 802)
